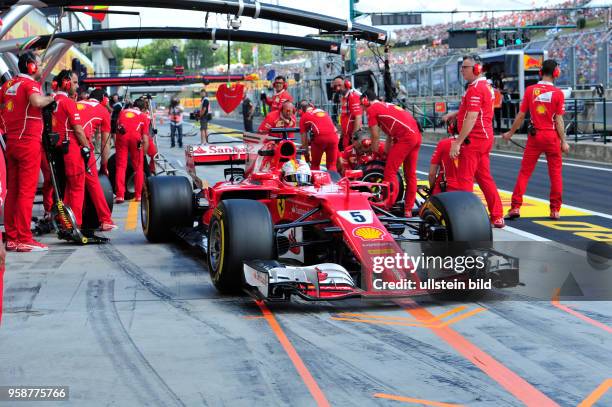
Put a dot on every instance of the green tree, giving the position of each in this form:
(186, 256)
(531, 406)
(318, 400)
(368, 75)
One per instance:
(199, 53)
(155, 54)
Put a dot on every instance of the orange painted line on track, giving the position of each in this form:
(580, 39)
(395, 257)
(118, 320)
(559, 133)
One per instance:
(597, 393)
(302, 370)
(417, 323)
(555, 301)
(415, 401)
(513, 383)
(370, 316)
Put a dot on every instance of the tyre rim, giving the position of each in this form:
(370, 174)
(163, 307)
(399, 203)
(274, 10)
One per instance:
(377, 192)
(215, 246)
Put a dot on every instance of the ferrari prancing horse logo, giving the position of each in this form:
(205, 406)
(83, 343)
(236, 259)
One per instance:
(280, 206)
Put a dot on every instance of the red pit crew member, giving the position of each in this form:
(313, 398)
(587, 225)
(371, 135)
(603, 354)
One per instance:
(402, 145)
(546, 105)
(151, 124)
(351, 112)
(279, 118)
(132, 137)
(21, 100)
(442, 168)
(68, 123)
(95, 115)
(361, 152)
(472, 147)
(2, 196)
(280, 94)
(324, 136)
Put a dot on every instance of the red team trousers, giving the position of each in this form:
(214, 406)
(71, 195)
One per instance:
(74, 193)
(327, 145)
(546, 142)
(406, 152)
(23, 168)
(124, 144)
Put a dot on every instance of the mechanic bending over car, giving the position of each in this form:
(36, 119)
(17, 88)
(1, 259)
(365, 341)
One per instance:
(351, 114)
(471, 149)
(402, 144)
(361, 152)
(442, 168)
(132, 137)
(73, 142)
(323, 133)
(95, 116)
(280, 94)
(21, 100)
(546, 105)
(285, 117)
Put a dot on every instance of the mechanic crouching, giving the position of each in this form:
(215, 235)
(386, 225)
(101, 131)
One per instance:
(133, 138)
(361, 152)
(471, 149)
(21, 100)
(324, 136)
(402, 144)
(73, 143)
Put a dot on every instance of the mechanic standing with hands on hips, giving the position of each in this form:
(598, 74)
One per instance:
(132, 137)
(21, 101)
(402, 145)
(324, 136)
(546, 105)
(470, 150)
(68, 123)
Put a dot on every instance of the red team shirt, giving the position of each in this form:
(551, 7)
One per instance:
(478, 97)
(351, 107)
(544, 101)
(319, 123)
(441, 158)
(66, 116)
(274, 119)
(351, 158)
(20, 118)
(393, 120)
(134, 122)
(93, 115)
(276, 101)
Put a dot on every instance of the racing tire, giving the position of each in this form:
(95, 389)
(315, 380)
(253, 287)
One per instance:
(375, 171)
(129, 175)
(90, 216)
(167, 202)
(240, 230)
(467, 228)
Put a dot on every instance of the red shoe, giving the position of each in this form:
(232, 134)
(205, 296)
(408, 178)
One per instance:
(32, 246)
(513, 213)
(119, 200)
(498, 222)
(555, 215)
(108, 227)
(11, 245)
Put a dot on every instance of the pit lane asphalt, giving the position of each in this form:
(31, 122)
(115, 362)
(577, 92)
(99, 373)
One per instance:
(132, 323)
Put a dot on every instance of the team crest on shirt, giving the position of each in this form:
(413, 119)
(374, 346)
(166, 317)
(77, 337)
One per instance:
(544, 97)
(129, 115)
(537, 91)
(12, 90)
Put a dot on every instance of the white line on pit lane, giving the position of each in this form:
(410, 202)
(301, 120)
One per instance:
(587, 211)
(520, 157)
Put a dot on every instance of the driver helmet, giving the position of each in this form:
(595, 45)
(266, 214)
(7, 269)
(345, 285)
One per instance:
(296, 173)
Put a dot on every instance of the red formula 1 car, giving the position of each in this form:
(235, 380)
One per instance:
(320, 241)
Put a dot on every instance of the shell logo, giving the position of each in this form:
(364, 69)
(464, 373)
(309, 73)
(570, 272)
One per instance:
(10, 105)
(541, 109)
(80, 106)
(398, 107)
(369, 233)
(320, 114)
(129, 115)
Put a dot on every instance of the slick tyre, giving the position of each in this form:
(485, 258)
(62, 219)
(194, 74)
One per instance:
(90, 216)
(167, 202)
(374, 172)
(240, 230)
(467, 228)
